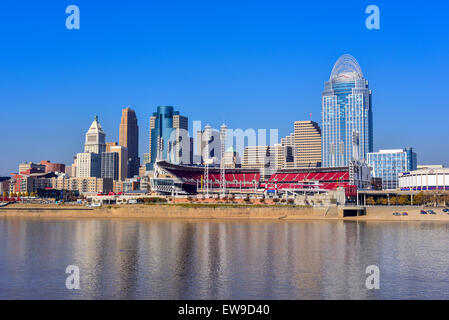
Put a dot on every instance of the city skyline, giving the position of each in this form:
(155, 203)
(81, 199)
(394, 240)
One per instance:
(222, 76)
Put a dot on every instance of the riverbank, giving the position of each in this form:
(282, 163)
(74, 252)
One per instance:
(217, 211)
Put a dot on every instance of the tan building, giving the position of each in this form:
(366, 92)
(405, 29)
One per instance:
(152, 126)
(261, 157)
(129, 138)
(109, 145)
(230, 158)
(123, 161)
(83, 185)
(308, 144)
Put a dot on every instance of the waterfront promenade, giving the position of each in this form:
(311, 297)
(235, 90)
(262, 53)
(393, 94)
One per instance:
(218, 211)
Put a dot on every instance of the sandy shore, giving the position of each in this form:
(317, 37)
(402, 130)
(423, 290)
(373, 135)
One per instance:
(218, 212)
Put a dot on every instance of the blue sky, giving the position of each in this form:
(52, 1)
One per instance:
(252, 64)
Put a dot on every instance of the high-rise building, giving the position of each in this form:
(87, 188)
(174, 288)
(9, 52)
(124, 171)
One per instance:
(388, 164)
(347, 118)
(122, 161)
(109, 145)
(95, 138)
(168, 130)
(88, 164)
(289, 142)
(268, 159)
(110, 165)
(230, 158)
(307, 144)
(129, 138)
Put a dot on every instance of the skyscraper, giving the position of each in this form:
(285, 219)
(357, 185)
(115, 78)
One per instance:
(388, 164)
(347, 118)
(110, 165)
(168, 131)
(95, 138)
(129, 138)
(122, 160)
(88, 164)
(307, 144)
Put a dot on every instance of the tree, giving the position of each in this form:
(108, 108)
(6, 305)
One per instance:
(370, 201)
(5, 194)
(403, 200)
(418, 198)
(393, 201)
(276, 200)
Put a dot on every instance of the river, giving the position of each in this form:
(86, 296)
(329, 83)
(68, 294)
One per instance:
(222, 259)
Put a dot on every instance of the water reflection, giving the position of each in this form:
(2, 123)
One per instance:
(182, 259)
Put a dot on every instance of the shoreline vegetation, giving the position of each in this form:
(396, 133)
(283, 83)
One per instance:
(218, 211)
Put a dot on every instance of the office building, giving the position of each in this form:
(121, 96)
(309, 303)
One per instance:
(230, 158)
(307, 137)
(88, 165)
(347, 118)
(388, 164)
(268, 159)
(122, 161)
(110, 165)
(169, 137)
(129, 138)
(289, 142)
(95, 138)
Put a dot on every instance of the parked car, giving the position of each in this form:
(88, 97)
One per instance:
(396, 214)
(431, 212)
(446, 210)
(404, 213)
(423, 212)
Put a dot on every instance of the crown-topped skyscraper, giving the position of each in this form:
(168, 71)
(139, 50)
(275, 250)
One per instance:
(347, 116)
(95, 138)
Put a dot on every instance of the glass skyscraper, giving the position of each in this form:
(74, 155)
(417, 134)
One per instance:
(165, 127)
(387, 164)
(347, 118)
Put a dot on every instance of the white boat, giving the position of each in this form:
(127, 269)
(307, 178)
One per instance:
(3, 204)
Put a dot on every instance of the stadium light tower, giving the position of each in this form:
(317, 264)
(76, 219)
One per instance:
(223, 133)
